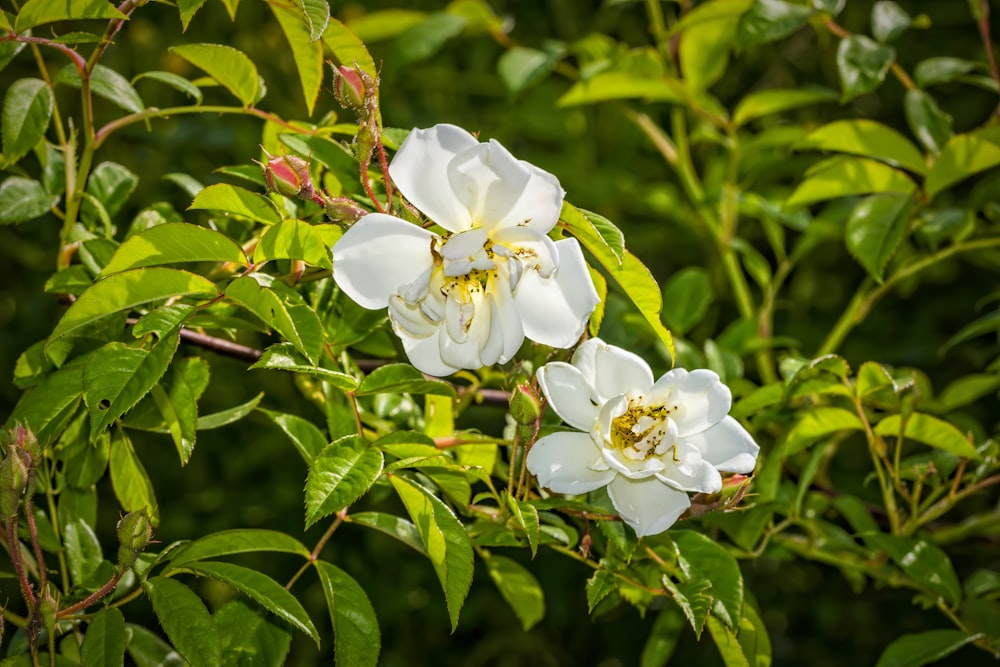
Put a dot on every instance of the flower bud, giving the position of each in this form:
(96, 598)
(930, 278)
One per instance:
(13, 482)
(525, 407)
(349, 87)
(344, 209)
(134, 533)
(288, 175)
(27, 441)
(44, 617)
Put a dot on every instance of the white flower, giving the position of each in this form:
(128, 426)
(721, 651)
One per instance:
(649, 443)
(468, 298)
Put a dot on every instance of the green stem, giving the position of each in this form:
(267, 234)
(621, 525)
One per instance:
(859, 307)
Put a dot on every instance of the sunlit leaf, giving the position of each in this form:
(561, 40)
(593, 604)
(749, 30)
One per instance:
(866, 138)
(234, 199)
(23, 199)
(174, 81)
(398, 378)
(305, 436)
(37, 12)
(307, 53)
(238, 541)
(231, 68)
(445, 540)
(339, 475)
(766, 102)
(963, 156)
(285, 357)
(105, 83)
(296, 321)
(620, 86)
(819, 422)
(27, 110)
(843, 176)
(293, 239)
(929, 430)
(875, 230)
(171, 243)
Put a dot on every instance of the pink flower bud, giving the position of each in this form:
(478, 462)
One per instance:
(288, 175)
(349, 87)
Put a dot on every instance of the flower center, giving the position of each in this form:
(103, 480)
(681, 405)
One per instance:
(644, 431)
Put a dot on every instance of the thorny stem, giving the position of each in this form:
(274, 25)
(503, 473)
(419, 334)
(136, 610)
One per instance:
(29, 516)
(76, 58)
(94, 597)
(14, 549)
(384, 164)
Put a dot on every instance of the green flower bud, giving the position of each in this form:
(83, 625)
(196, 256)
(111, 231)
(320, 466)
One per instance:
(45, 613)
(26, 439)
(134, 533)
(525, 407)
(13, 482)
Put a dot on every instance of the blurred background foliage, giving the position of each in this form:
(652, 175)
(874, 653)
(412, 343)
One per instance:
(437, 67)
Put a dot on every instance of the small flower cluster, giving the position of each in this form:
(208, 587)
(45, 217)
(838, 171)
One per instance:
(465, 293)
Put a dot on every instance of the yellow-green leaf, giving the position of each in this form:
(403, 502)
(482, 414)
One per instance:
(929, 430)
(844, 176)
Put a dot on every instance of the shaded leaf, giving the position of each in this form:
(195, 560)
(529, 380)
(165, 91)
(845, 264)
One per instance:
(129, 479)
(186, 621)
(863, 64)
(284, 357)
(770, 20)
(174, 81)
(923, 648)
(250, 638)
(104, 643)
(875, 230)
(357, 639)
(923, 562)
(399, 378)
(686, 298)
(766, 102)
(107, 84)
(27, 110)
(23, 199)
(820, 422)
(519, 588)
(621, 86)
(393, 526)
(305, 436)
(930, 125)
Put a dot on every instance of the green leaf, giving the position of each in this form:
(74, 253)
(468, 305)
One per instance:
(686, 298)
(250, 638)
(702, 559)
(872, 377)
(293, 239)
(347, 49)
(229, 416)
(124, 291)
(766, 102)
(83, 551)
(231, 68)
(923, 562)
(239, 201)
(171, 243)
(179, 417)
(520, 68)
(693, 599)
(608, 232)
(707, 35)
(629, 273)
(519, 588)
(111, 184)
(754, 641)
(622, 86)
(393, 526)
(382, 24)
(947, 224)
(727, 643)
(104, 643)
(296, 322)
(27, 110)
(941, 69)
(663, 638)
(863, 64)
(117, 376)
(356, 636)
(238, 541)
(400, 378)
(875, 230)
(284, 357)
(129, 479)
(889, 21)
(186, 621)
(262, 589)
(930, 125)
(599, 586)
(37, 12)
(47, 407)
(427, 38)
(444, 537)
(968, 389)
(148, 650)
(963, 156)
(307, 53)
(23, 199)
(339, 475)
(317, 16)
(348, 323)
(844, 176)
(869, 139)
(820, 422)
(187, 9)
(106, 83)
(305, 436)
(923, 648)
(929, 430)
(770, 20)
(174, 81)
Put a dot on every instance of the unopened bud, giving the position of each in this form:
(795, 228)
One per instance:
(349, 87)
(25, 438)
(134, 533)
(525, 407)
(13, 482)
(288, 175)
(45, 613)
(344, 209)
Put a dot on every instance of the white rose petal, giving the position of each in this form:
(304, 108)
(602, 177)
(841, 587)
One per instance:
(659, 441)
(477, 291)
